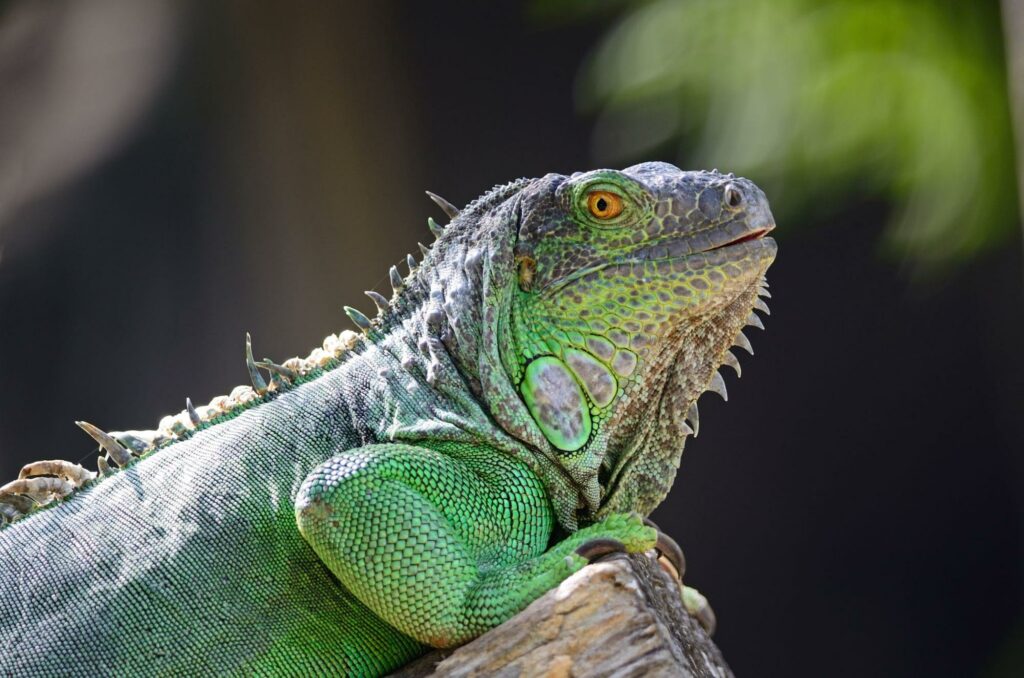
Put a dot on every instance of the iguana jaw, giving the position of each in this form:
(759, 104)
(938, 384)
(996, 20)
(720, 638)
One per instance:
(721, 238)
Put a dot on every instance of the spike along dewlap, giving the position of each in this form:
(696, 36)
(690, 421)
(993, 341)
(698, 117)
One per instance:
(632, 287)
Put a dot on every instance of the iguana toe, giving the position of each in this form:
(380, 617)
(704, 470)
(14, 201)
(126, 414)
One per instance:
(594, 549)
(699, 607)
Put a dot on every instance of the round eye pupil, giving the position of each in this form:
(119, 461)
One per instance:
(602, 205)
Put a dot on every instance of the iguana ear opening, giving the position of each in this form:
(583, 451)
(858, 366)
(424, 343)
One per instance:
(527, 267)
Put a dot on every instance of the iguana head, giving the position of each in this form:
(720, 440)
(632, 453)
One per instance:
(628, 289)
(632, 286)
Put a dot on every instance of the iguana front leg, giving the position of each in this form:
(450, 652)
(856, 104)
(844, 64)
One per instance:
(444, 546)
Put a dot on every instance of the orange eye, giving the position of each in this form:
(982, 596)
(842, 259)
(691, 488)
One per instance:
(604, 204)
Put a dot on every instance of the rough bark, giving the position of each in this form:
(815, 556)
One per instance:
(619, 617)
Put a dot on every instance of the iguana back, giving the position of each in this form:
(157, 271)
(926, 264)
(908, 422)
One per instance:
(188, 561)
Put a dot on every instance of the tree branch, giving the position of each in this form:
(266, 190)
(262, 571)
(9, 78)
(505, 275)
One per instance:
(622, 616)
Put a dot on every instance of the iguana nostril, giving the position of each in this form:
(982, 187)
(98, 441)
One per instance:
(733, 197)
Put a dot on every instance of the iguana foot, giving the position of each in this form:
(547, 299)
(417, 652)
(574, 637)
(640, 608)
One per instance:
(699, 607)
(617, 533)
(672, 560)
(620, 532)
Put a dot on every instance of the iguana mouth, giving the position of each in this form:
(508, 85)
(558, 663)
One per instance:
(753, 235)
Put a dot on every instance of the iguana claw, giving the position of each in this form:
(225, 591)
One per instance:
(669, 553)
(596, 548)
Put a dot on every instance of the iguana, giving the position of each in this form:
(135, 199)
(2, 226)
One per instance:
(514, 409)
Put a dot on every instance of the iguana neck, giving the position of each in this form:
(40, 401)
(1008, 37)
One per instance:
(637, 475)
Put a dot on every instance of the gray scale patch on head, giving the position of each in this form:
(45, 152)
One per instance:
(597, 381)
(618, 336)
(624, 363)
(600, 347)
(732, 270)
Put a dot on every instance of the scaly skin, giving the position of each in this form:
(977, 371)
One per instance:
(518, 405)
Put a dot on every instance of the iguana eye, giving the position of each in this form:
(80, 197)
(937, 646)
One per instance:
(604, 204)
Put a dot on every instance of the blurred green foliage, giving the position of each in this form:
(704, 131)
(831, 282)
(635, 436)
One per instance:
(824, 103)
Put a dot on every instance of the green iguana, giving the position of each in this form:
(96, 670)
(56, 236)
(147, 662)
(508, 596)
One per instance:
(514, 409)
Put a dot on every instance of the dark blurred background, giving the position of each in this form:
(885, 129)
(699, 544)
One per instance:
(174, 174)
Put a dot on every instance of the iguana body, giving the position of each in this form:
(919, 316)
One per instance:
(526, 387)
